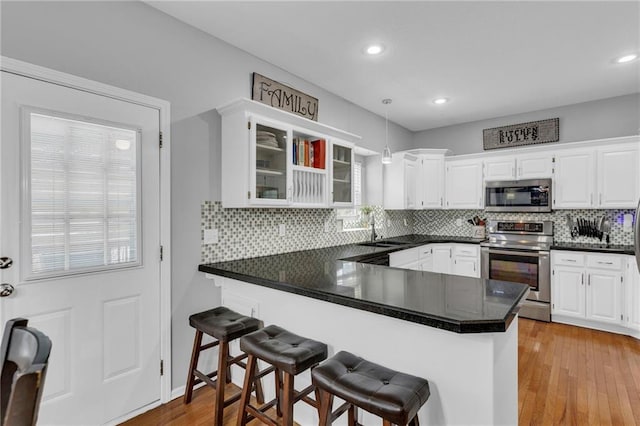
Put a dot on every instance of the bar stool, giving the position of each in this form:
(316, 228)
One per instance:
(394, 396)
(289, 355)
(224, 325)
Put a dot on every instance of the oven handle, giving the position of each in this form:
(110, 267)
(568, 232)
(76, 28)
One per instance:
(519, 253)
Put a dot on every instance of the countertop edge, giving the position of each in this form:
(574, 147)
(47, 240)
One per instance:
(461, 327)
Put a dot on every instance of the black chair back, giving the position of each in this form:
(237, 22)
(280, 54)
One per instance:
(24, 356)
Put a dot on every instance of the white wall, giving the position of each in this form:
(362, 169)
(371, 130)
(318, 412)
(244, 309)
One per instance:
(604, 118)
(133, 46)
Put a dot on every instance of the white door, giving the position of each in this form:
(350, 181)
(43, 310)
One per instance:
(603, 296)
(431, 180)
(568, 292)
(574, 179)
(500, 168)
(465, 266)
(80, 219)
(618, 176)
(535, 166)
(442, 258)
(464, 184)
(410, 181)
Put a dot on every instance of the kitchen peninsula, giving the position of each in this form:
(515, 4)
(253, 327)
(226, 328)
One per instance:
(460, 333)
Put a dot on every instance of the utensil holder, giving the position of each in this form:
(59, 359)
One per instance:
(478, 232)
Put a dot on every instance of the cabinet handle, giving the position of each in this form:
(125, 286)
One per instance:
(441, 203)
(604, 263)
(589, 279)
(569, 260)
(582, 279)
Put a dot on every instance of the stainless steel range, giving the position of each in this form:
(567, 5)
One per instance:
(518, 251)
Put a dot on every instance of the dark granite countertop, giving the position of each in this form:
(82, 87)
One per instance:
(454, 303)
(595, 247)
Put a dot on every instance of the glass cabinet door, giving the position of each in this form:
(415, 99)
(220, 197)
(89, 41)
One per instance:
(342, 172)
(270, 163)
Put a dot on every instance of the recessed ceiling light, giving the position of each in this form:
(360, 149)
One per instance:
(374, 49)
(440, 101)
(626, 58)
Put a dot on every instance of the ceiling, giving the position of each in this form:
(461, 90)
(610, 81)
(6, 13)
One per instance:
(490, 59)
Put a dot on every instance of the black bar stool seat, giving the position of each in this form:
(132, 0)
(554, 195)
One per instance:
(224, 325)
(289, 355)
(394, 396)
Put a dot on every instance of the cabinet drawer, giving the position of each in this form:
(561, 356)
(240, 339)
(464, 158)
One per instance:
(404, 257)
(425, 251)
(605, 262)
(466, 250)
(568, 258)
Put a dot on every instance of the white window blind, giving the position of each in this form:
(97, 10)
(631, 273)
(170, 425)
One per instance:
(83, 196)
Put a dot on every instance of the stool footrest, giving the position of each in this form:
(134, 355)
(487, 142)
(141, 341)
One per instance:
(209, 345)
(201, 377)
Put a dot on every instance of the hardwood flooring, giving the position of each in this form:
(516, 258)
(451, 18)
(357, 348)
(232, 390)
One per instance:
(567, 376)
(576, 376)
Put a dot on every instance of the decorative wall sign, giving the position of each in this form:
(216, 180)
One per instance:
(531, 133)
(283, 97)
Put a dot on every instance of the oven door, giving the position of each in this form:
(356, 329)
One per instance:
(526, 267)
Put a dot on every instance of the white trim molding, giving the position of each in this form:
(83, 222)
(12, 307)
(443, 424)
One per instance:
(15, 66)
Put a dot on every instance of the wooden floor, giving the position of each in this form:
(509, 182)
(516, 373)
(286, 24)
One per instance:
(567, 375)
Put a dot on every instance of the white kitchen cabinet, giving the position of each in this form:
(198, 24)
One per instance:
(574, 181)
(463, 182)
(604, 294)
(342, 156)
(600, 177)
(535, 166)
(500, 168)
(431, 182)
(267, 159)
(568, 295)
(618, 176)
(632, 296)
(587, 289)
(426, 258)
(442, 256)
(400, 182)
(527, 166)
(466, 260)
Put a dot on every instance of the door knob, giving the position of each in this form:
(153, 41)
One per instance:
(6, 290)
(5, 262)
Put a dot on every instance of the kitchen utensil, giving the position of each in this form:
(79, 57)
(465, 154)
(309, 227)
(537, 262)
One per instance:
(606, 228)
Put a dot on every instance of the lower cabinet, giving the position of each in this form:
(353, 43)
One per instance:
(589, 289)
(633, 296)
(453, 259)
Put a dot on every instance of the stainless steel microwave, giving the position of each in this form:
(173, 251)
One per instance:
(530, 195)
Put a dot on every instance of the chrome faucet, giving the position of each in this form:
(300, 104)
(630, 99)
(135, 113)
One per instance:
(373, 228)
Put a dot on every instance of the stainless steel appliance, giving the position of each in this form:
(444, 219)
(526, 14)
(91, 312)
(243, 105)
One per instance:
(518, 251)
(527, 195)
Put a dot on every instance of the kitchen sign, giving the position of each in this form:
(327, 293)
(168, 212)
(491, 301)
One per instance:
(531, 133)
(283, 97)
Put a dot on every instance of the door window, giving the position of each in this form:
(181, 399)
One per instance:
(82, 200)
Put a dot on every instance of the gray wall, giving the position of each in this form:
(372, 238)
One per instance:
(605, 118)
(133, 46)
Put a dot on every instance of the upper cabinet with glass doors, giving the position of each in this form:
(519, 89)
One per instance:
(341, 174)
(272, 158)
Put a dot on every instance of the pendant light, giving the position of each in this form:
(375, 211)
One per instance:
(386, 153)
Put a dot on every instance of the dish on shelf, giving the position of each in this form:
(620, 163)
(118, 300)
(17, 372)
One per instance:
(265, 133)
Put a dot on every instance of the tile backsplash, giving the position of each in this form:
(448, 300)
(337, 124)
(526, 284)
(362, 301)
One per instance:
(443, 222)
(244, 233)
